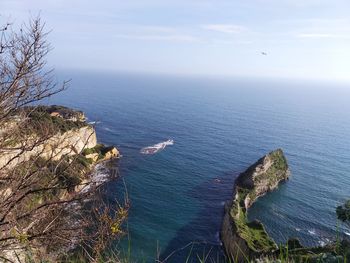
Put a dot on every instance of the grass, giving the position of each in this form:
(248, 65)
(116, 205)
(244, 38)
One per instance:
(254, 232)
(249, 186)
(285, 254)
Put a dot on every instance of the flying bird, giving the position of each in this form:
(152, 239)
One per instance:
(264, 53)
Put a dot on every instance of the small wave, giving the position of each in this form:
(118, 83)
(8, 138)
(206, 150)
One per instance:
(324, 242)
(321, 243)
(217, 238)
(298, 229)
(94, 122)
(99, 176)
(312, 232)
(275, 212)
(157, 147)
(107, 129)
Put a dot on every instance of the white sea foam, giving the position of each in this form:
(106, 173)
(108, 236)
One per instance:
(347, 233)
(157, 147)
(322, 243)
(94, 122)
(98, 177)
(312, 231)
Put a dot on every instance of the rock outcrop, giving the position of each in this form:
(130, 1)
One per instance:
(60, 144)
(70, 147)
(243, 239)
(100, 153)
(71, 136)
(63, 112)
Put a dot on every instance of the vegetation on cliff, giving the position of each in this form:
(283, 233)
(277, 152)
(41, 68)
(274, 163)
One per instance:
(343, 211)
(249, 241)
(261, 177)
(43, 115)
(49, 202)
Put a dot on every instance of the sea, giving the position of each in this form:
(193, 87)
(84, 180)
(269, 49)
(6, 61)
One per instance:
(220, 126)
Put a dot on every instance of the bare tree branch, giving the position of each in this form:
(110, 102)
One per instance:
(43, 174)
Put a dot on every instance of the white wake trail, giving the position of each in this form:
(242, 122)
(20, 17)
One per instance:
(157, 147)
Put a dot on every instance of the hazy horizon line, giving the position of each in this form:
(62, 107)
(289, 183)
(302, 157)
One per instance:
(205, 76)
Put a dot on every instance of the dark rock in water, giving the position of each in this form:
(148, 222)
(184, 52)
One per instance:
(243, 239)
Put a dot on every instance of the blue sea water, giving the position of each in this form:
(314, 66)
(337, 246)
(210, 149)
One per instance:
(220, 127)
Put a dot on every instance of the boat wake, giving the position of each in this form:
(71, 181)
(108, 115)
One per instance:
(156, 148)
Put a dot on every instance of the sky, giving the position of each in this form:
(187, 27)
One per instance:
(303, 39)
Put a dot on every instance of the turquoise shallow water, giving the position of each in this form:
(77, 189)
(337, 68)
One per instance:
(220, 127)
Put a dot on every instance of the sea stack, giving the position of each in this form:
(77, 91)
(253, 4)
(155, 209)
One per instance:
(243, 239)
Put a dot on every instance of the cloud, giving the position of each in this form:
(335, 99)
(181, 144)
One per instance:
(231, 42)
(225, 28)
(152, 37)
(322, 35)
(154, 33)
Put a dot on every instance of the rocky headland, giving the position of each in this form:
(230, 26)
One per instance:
(71, 135)
(248, 241)
(240, 237)
(61, 148)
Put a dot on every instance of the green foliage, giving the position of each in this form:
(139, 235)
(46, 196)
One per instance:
(253, 232)
(276, 172)
(100, 149)
(40, 118)
(59, 176)
(247, 189)
(86, 162)
(343, 211)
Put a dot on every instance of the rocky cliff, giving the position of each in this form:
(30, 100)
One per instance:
(243, 239)
(60, 150)
(67, 134)
(70, 142)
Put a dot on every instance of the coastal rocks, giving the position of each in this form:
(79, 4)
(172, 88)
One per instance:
(62, 159)
(73, 141)
(263, 176)
(68, 143)
(93, 157)
(100, 153)
(243, 239)
(112, 153)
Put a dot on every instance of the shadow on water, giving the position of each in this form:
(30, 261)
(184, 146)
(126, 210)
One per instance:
(207, 225)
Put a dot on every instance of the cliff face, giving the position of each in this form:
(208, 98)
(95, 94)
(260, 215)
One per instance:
(263, 176)
(70, 142)
(241, 238)
(61, 159)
